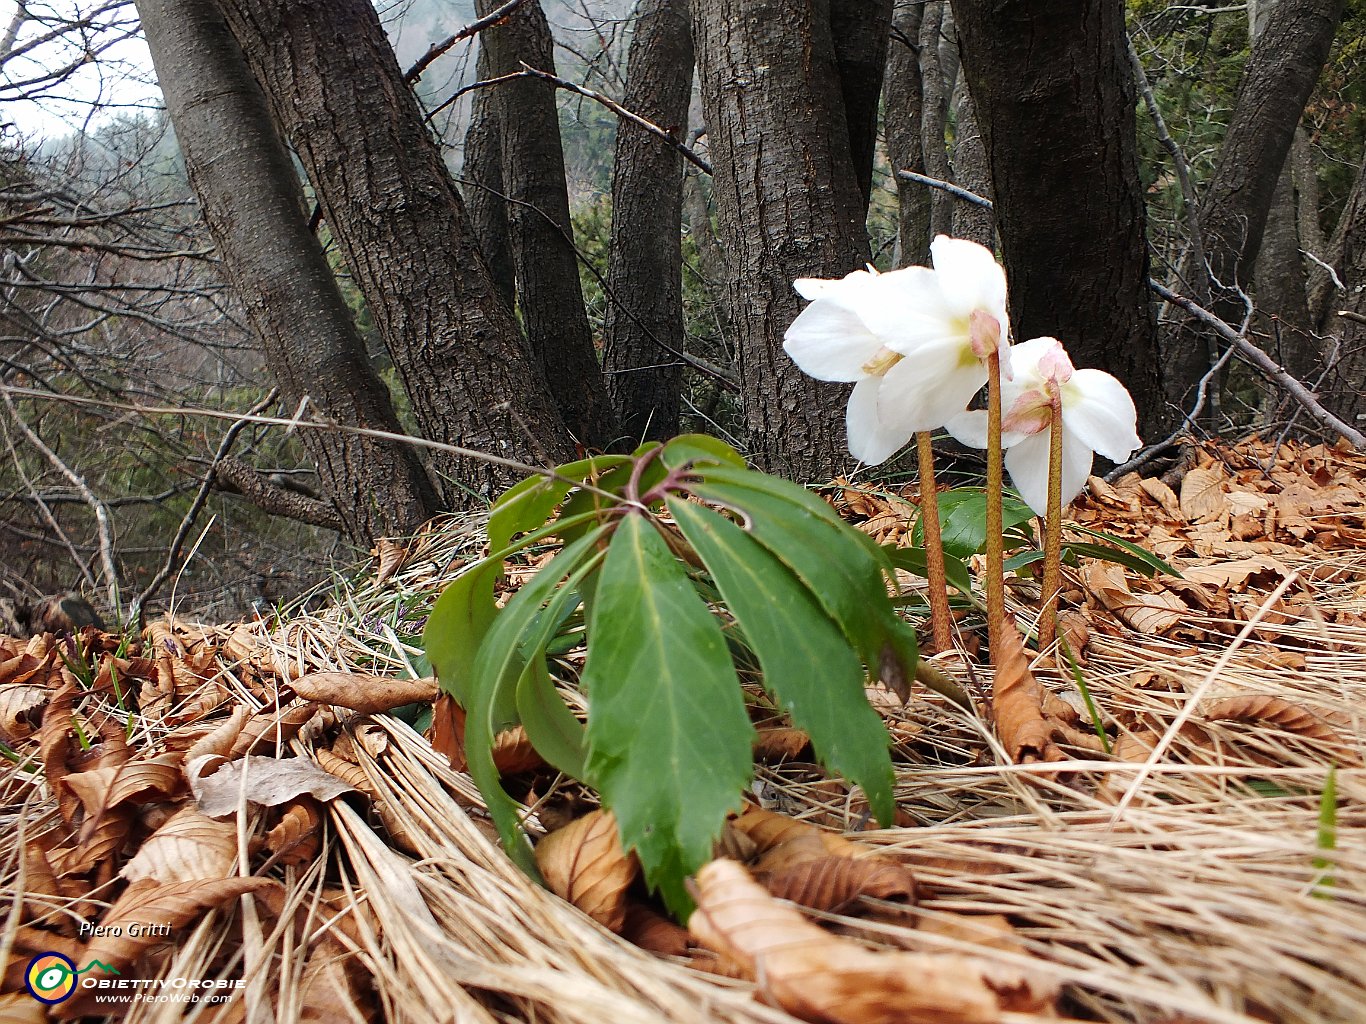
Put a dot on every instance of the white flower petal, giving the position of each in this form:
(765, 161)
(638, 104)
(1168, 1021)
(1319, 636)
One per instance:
(970, 277)
(1098, 409)
(829, 341)
(1024, 361)
(871, 440)
(845, 287)
(1027, 464)
(970, 428)
(925, 390)
(906, 309)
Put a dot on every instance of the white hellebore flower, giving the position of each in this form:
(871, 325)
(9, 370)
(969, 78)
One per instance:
(912, 341)
(1097, 416)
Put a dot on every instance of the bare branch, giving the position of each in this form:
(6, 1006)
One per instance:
(473, 28)
(1263, 362)
(947, 186)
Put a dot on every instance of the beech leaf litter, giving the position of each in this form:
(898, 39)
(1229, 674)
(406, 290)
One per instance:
(1165, 826)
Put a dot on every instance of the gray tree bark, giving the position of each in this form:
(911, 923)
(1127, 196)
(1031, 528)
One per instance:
(484, 193)
(645, 272)
(1345, 387)
(337, 90)
(860, 30)
(548, 288)
(1285, 62)
(971, 170)
(902, 100)
(934, 111)
(253, 205)
(788, 204)
(1055, 101)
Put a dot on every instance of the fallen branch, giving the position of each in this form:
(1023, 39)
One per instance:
(947, 186)
(1272, 370)
(239, 478)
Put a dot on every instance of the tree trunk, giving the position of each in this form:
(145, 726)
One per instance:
(1345, 386)
(1055, 102)
(860, 31)
(970, 170)
(934, 115)
(645, 273)
(1284, 65)
(548, 288)
(336, 88)
(1281, 285)
(253, 205)
(482, 172)
(788, 205)
(901, 101)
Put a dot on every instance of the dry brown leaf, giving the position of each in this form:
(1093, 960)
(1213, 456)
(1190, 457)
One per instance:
(652, 931)
(297, 837)
(1235, 575)
(57, 747)
(823, 978)
(778, 745)
(1273, 711)
(1147, 613)
(585, 864)
(835, 884)
(1017, 702)
(1202, 491)
(20, 704)
(1074, 628)
(389, 558)
(781, 842)
(991, 931)
(21, 1009)
(1162, 494)
(217, 745)
(369, 695)
(271, 730)
(267, 781)
(188, 846)
(104, 794)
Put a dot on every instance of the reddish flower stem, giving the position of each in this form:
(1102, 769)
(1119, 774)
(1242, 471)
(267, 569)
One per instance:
(995, 584)
(1052, 537)
(941, 620)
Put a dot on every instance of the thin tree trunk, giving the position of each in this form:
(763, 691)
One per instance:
(1324, 296)
(1346, 385)
(971, 171)
(1285, 62)
(645, 272)
(1281, 285)
(788, 204)
(902, 105)
(484, 192)
(548, 288)
(1055, 100)
(336, 88)
(860, 30)
(253, 205)
(934, 115)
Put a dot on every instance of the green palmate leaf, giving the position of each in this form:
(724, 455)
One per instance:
(550, 726)
(528, 504)
(700, 449)
(517, 638)
(668, 737)
(807, 663)
(465, 611)
(913, 561)
(963, 520)
(841, 566)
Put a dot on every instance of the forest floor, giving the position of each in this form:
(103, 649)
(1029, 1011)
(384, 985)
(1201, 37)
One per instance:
(1204, 862)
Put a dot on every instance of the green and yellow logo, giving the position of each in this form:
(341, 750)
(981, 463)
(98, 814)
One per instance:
(51, 977)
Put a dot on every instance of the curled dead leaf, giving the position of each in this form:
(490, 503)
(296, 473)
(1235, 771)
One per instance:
(267, 781)
(1017, 702)
(836, 884)
(1156, 613)
(1273, 711)
(271, 730)
(389, 558)
(1202, 491)
(188, 846)
(652, 931)
(20, 707)
(823, 978)
(585, 864)
(369, 695)
(297, 837)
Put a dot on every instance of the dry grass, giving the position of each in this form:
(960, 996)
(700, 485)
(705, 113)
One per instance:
(1186, 889)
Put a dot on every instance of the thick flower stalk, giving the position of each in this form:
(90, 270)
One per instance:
(915, 343)
(1055, 418)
